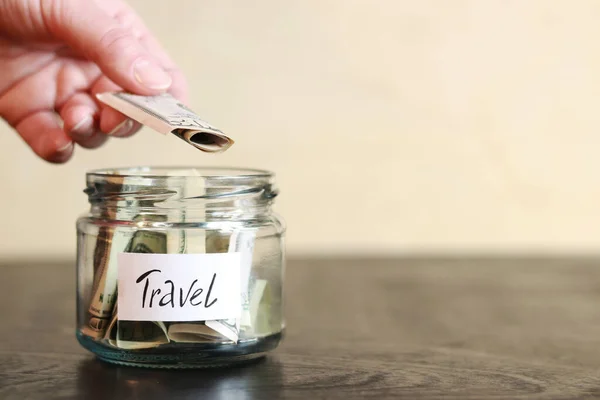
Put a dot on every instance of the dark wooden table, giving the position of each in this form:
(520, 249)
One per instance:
(406, 328)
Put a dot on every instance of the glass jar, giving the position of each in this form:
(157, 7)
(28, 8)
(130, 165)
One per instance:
(180, 267)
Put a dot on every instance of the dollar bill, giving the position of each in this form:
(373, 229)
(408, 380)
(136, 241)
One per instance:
(147, 242)
(198, 332)
(203, 331)
(103, 295)
(216, 241)
(134, 335)
(140, 334)
(260, 307)
(242, 241)
(165, 114)
(109, 242)
(104, 290)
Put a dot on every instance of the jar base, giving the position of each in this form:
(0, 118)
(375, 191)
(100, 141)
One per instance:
(180, 356)
(223, 362)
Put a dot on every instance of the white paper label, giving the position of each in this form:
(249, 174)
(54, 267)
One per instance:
(179, 287)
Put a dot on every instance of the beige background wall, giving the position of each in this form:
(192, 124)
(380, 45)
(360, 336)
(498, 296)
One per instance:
(394, 126)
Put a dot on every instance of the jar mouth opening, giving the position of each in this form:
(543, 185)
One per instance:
(214, 173)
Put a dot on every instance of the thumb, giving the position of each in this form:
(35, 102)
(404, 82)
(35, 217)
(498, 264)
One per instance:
(114, 48)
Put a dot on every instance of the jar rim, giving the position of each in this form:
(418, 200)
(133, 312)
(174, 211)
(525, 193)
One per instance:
(156, 172)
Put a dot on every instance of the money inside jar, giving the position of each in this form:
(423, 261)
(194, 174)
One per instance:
(165, 114)
(103, 323)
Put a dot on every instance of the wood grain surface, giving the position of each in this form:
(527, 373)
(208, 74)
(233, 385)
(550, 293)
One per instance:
(471, 328)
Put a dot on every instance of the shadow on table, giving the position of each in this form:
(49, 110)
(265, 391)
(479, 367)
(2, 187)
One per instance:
(256, 380)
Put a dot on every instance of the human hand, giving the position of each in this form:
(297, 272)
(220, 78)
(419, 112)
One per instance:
(56, 55)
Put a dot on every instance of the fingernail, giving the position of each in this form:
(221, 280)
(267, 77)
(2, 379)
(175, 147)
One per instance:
(82, 128)
(61, 154)
(122, 129)
(65, 149)
(151, 75)
(58, 120)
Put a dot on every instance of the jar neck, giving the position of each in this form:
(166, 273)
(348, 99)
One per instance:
(180, 195)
